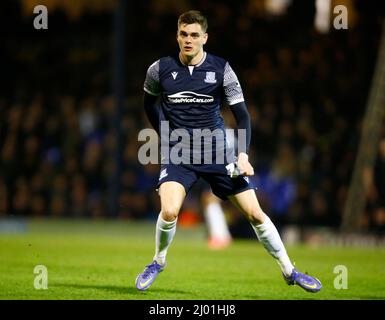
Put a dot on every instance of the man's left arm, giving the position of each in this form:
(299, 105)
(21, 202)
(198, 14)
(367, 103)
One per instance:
(242, 118)
(234, 96)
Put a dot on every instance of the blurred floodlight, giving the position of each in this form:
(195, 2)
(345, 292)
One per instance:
(277, 7)
(322, 16)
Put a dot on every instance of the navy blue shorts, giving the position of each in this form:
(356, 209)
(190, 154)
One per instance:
(215, 174)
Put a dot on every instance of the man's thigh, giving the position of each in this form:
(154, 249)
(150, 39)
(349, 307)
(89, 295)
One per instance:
(172, 195)
(174, 183)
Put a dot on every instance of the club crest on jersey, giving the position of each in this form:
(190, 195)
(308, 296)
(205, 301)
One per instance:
(210, 77)
(174, 74)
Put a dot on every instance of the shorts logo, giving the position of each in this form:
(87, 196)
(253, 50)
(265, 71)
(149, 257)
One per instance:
(163, 174)
(210, 77)
(246, 179)
(174, 74)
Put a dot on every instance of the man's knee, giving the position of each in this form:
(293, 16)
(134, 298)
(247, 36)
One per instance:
(256, 216)
(170, 212)
(172, 195)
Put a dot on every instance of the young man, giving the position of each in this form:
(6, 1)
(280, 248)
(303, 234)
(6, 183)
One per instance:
(191, 86)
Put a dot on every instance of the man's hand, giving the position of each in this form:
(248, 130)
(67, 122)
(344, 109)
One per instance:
(244, 165)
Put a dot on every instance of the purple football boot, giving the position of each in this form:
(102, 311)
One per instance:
(148, 276)
(305, 281)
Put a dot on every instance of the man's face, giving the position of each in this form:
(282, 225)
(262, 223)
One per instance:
(191, 39)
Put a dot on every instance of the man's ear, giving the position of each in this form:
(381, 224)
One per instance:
(205, 37)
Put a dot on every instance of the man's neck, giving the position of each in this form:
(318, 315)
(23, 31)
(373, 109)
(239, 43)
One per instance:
(191, 61)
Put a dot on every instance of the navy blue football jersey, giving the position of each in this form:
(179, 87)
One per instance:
(191, 96)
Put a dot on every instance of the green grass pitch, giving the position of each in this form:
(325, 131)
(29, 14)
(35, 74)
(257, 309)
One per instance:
(100, 260)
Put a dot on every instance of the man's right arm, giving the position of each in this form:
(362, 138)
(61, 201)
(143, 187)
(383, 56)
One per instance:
(152, 110)
(152, 90)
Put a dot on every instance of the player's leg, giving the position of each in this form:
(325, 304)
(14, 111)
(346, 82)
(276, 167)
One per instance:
(171, 195)
(174, 183)
(267, 233)
(248, 204)
(218, 231)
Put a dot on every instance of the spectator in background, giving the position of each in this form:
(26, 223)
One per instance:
(277, 184)
(54, 113)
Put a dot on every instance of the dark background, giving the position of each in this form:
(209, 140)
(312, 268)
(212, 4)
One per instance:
(60, 152)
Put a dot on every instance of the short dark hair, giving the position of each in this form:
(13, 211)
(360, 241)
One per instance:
(193, 16)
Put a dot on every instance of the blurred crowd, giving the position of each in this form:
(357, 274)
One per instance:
(306, 93)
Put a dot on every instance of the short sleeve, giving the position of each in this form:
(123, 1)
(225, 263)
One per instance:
(151, 83)
(232, 88)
